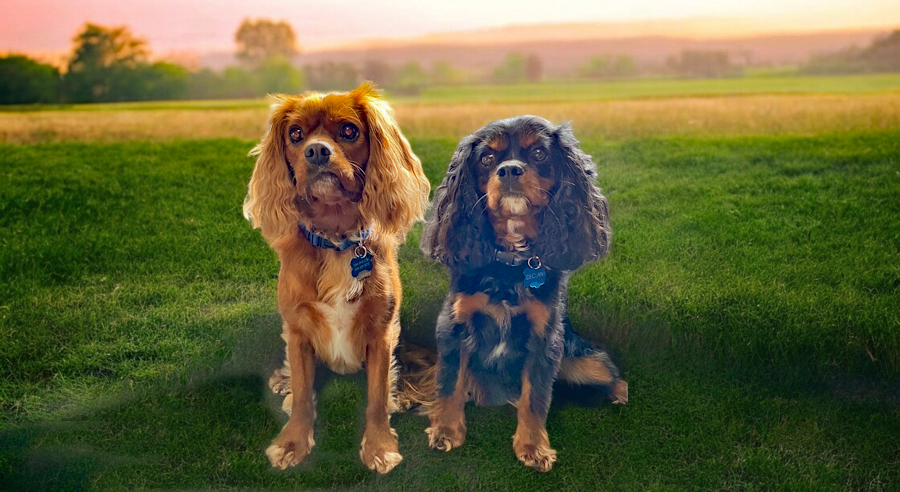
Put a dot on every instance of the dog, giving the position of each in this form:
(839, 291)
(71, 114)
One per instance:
(517, 211)
(335, 188)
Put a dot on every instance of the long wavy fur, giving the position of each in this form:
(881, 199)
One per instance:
(396, 191)
(269, 204)
(575, 225)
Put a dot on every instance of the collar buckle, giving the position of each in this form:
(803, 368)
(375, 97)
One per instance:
(512, 259)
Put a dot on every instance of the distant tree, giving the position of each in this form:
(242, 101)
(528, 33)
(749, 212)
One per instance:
(262, 39)
(444, 73)
(100, 63)
(602, 67)
(597, 67)
(533, 68)
(378, 71)
(26, 81)
(411, 79)
(511, 71)
(239, 82)
(328, 76)
(277, 74)
(233, 82)
(624, 66)
(702, 64)
(844, 61)
(163, 80)
(883, 55)
(98, 46)
(148, 82)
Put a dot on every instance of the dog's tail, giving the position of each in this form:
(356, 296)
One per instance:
(584, 363)
(417, 386)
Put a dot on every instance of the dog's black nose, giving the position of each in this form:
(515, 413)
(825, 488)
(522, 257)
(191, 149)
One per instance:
(510, 172)
(318, 153)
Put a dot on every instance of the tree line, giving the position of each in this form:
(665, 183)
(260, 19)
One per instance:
(883, 55)
(110, 64)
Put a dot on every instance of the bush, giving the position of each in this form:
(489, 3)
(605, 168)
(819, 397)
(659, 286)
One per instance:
(276, 74)
(26, 81)
(328, 76)
(411, 79)
(703, 64)
(603, 67)
(883, 55)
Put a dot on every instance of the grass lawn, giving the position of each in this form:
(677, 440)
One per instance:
(662, 88)
(751, 296)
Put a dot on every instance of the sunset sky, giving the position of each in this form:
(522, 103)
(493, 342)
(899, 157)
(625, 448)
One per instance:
(46, 26)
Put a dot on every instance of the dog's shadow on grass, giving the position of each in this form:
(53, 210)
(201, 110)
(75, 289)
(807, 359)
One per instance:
(210, 430)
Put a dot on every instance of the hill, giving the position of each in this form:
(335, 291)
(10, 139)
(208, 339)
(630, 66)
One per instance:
(562, 47)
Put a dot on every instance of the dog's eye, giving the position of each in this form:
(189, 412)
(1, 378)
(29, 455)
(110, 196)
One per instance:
(349, 131)
(538, 155)
(295, 134)
(488, 160)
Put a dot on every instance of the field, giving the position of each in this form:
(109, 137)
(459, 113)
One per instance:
(751, 295)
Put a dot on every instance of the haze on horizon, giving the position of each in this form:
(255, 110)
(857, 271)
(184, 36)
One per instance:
(48, 26)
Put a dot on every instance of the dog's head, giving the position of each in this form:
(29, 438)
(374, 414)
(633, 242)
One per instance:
(519, 184)
(336, 162)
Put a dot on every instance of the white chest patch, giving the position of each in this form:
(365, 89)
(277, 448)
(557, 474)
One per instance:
(338, 303)
(499, 351)
(340, 354)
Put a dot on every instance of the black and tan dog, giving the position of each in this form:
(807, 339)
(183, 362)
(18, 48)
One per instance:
(517, 211)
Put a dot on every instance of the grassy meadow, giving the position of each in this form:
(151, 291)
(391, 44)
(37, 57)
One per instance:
(751, 297)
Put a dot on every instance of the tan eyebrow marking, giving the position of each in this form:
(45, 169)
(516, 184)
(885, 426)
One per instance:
(498, 143)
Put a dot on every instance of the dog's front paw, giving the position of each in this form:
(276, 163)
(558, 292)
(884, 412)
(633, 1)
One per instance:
(290, 447)
(446, 437)
(536, 456)
(380, 452)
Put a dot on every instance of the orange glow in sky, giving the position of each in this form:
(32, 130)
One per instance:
(207, 25)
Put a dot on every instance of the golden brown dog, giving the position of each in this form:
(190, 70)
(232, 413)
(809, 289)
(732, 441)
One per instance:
(335, 189)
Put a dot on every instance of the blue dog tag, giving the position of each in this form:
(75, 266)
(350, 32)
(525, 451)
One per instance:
(535, 277)
(361, 266)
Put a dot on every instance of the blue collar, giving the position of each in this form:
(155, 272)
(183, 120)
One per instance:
(321, 242)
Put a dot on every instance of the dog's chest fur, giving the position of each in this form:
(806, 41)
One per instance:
(338, 341)
(499, 334)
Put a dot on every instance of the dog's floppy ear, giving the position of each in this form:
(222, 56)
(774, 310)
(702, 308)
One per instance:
(269, 204)
(396, 190)
(456, 229)
(576, 222)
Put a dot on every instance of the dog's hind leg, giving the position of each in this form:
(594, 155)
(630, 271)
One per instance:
(280, 380)
(583, 363)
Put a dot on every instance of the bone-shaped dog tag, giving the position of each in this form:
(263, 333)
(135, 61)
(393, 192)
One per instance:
(361, 264)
